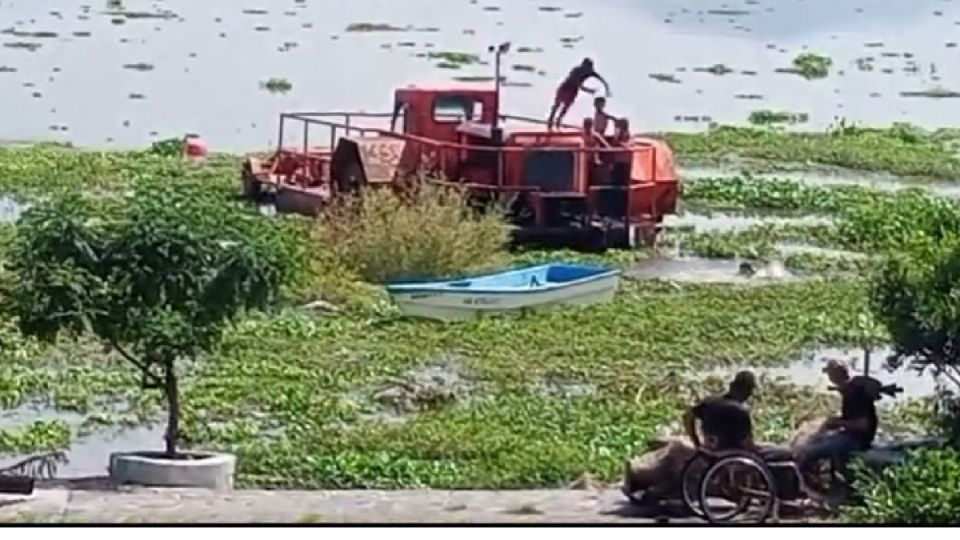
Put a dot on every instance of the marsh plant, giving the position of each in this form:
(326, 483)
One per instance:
(427, 231)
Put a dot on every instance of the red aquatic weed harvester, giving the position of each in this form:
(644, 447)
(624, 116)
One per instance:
(564, 187)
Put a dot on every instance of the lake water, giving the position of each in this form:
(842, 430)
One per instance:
(807, 370)
(200, 69)
(89, 453)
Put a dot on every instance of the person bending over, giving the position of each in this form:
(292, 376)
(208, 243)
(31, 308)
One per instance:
(570, 88)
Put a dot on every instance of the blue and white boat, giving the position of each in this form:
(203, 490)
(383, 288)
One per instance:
(532, 287)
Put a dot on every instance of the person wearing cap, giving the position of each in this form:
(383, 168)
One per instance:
(852, 431)
(724, 419)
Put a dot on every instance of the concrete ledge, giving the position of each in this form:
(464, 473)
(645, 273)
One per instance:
(191, 469)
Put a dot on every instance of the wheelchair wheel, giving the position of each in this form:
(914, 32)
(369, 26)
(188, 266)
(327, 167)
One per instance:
(690, 479)
(740, 480)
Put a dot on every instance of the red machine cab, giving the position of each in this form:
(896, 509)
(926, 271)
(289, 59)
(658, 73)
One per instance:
(563, 187)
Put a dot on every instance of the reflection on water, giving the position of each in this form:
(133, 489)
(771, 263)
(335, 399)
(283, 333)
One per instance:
(700, 270)
(89, 454)
(729, 222)
(10, 210)
(807, 371)
(788, 248)
(201, 70)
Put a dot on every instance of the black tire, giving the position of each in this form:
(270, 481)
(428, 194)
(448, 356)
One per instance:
(251, 188)
(761, 472)
(690, 479)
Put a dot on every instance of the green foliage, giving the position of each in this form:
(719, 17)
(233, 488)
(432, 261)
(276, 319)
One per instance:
(157, 275)
(916, 295)
(163, 273)
(812, 66)
(345, 400)
(41, 171)
(535, 411)
(765, 117)
(38, 436)
(899, 150)
(429, 232)
(173, 147)
(925, 490)
(867, 219)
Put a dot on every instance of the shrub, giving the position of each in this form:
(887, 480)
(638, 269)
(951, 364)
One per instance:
(426, 232)
(158, 277)
(925, 490)
(914, 295)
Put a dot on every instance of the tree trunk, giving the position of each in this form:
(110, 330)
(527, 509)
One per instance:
(173, 408)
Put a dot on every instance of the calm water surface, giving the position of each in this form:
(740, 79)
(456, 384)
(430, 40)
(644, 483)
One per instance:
(62, 73)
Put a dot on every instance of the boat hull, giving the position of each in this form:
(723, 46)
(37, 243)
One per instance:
(466, 305)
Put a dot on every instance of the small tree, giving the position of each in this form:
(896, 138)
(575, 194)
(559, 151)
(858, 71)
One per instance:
(916, 296)
(157, 276)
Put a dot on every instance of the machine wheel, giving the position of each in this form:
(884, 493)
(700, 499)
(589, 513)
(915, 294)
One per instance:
(252, 189)
(740, 479)
(690, 479)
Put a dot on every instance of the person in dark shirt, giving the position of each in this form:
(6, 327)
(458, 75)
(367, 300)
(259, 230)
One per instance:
(724, 419)
(570, 87)
(852, 431)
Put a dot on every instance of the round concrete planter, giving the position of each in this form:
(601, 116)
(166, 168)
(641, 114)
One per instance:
(191, 469)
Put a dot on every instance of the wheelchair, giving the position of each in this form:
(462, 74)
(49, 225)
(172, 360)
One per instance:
(751, 486)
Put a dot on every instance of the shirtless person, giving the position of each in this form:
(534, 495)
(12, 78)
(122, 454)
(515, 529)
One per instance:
(570, 87)
(601, 118)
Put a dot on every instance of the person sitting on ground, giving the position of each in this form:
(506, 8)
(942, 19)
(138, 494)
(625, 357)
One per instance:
(724, 419)
(601, 118)
(852, 431)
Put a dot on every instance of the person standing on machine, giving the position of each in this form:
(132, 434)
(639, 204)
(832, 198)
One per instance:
(570, 88)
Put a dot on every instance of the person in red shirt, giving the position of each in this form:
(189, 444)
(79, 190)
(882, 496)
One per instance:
(570, 87)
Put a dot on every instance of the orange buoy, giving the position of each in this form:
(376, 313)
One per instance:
(195, 147)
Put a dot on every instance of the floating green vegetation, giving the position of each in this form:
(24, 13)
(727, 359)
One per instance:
(139, 66)
(453, 57)
(866, 219)
(36, 35)
(477, 78)
(938, 92)
(25, 45)
(375, 27)
(767, 117)
(359, 398)
(125, 14)
(902, 149)
(728, 12)
(812, 66)
(37, 437)
(277, 85)
(716, 69)
(665, 77)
